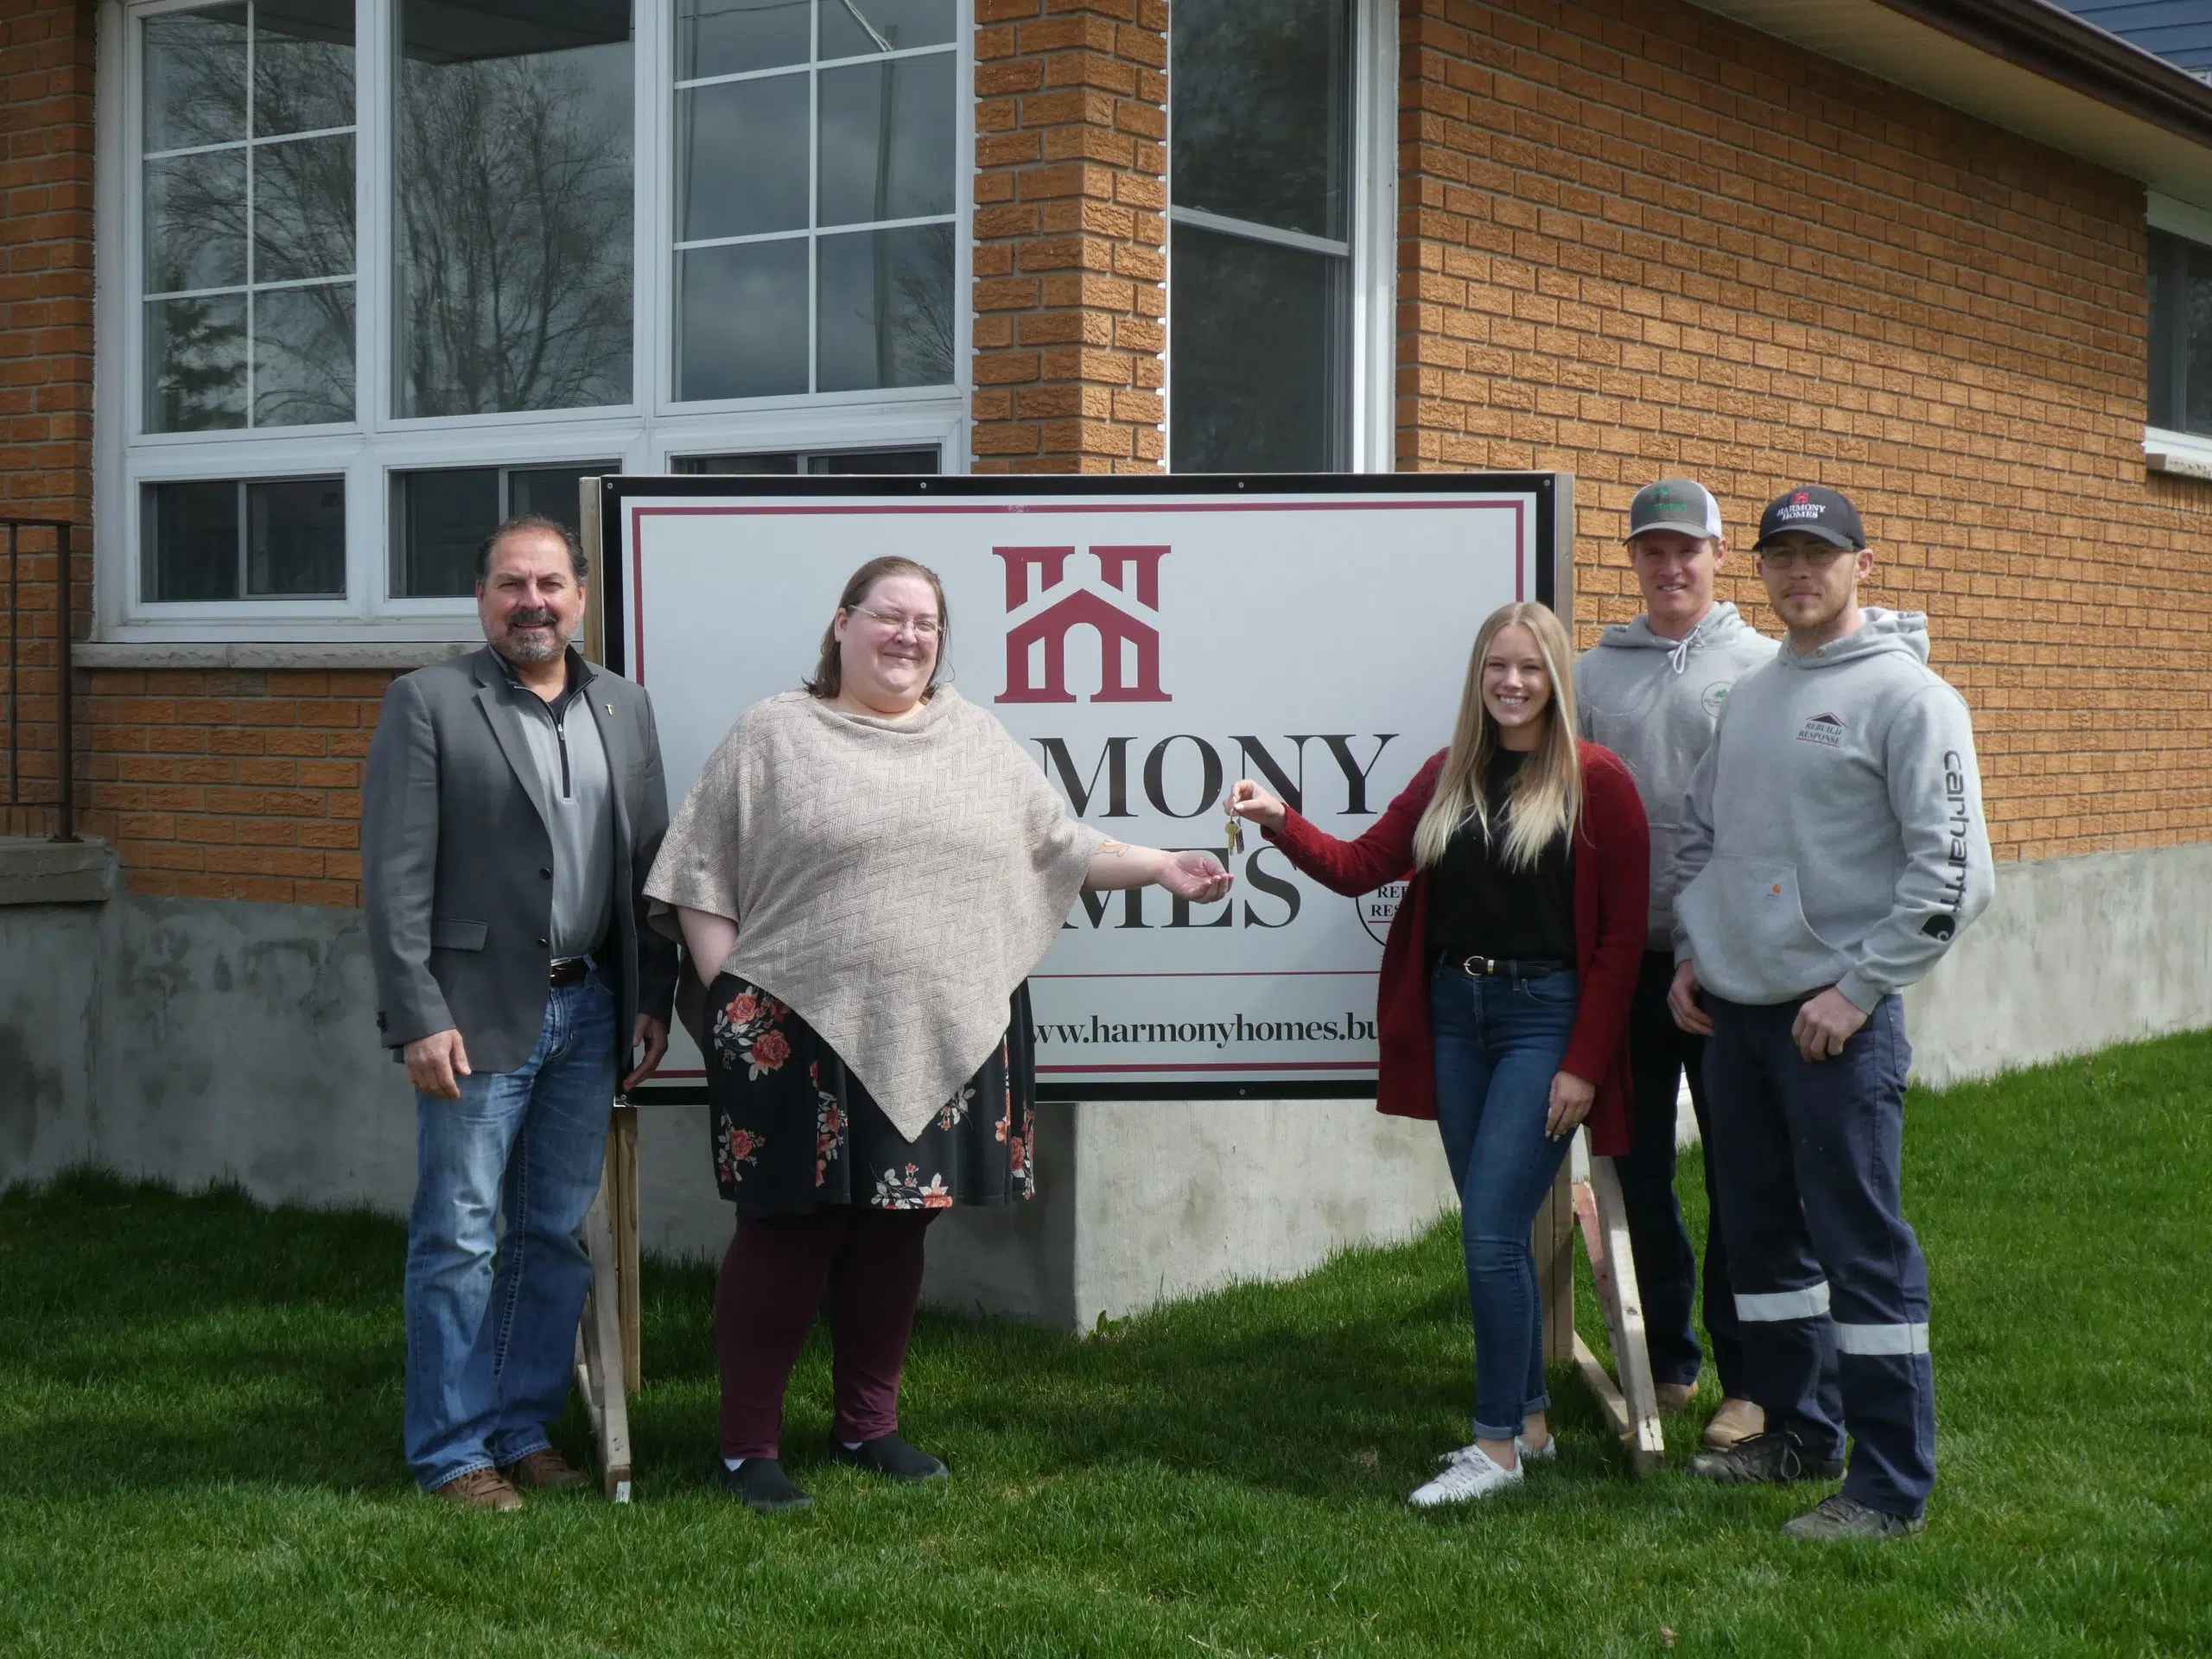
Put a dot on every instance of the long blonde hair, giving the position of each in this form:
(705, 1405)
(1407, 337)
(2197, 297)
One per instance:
(1546, 798)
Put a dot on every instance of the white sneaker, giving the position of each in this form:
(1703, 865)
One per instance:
(1469, 1472)
(1548, 1449)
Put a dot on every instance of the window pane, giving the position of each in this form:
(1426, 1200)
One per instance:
(303, 354)
(196, 221)
(195, 78)
(888, 140)
(195, 363)
(189, 542)
(554, 492)
(295, 538)
(303, 66)
(727, 37)
(742, 160)
(1262, 106)
(741, 319)
(875, 463)
(1253, 375)
(886, 308)
(513, 192)
(440, 518)
(303, 209)
(2163, 288)
(743, 466)
(851, 27)
(2196, 319)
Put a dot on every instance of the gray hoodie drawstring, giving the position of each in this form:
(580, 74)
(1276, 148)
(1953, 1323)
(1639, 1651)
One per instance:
(1679, 658)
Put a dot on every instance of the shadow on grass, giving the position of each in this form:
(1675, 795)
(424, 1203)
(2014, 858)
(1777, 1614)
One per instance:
(156, 1341)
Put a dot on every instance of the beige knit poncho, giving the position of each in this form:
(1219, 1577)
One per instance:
(894, 881)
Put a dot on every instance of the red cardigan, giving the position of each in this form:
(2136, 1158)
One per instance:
(1612, 877)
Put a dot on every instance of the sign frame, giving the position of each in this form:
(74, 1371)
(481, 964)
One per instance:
(1552, 495)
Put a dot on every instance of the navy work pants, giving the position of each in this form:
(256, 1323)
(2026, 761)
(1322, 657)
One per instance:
(1660, 1051)
(1806, 1153)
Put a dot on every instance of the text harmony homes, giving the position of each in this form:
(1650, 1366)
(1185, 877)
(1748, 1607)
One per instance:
(300, 295)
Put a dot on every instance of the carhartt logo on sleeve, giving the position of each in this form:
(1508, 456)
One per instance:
(1825, 730)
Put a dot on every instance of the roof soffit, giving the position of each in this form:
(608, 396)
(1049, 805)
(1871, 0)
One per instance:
(2044, 74)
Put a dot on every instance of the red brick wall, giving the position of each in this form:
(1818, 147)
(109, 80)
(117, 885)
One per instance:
(46, 357)
(1070, 235)
(228, 784)
(1638, 239)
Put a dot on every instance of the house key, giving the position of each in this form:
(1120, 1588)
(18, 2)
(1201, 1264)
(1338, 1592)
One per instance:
(1236, 836)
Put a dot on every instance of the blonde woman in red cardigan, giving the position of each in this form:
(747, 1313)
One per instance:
(1507, 975)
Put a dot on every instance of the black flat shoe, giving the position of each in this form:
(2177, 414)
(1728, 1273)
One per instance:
(761, 1485)
(890, 1456)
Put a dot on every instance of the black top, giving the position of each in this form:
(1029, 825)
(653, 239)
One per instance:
(1477, 907)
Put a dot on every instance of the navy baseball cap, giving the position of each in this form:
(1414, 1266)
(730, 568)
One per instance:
(1817, 511)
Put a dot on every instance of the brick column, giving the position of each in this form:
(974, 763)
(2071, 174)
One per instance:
(1070, 235)
(46, 360)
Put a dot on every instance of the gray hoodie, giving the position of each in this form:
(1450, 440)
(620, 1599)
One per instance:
(1832, 834)
(1652, 700)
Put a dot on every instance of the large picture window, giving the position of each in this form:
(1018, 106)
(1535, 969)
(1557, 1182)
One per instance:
(385, 270)
(1265, 213)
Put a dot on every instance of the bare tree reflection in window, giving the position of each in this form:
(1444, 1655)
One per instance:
(514, 207)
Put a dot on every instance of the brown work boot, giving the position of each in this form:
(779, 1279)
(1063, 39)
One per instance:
(481, 1488)
(544, 1470)
(1737, 1421)
(1674, 1397)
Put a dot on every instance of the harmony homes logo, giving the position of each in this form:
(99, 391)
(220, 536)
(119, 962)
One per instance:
(1044, 606)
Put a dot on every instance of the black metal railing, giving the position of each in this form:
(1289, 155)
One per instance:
(55, 653)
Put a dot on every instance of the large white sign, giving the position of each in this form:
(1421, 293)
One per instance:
(1149, 641)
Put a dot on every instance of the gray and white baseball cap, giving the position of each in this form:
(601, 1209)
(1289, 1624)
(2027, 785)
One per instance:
(1678, 504)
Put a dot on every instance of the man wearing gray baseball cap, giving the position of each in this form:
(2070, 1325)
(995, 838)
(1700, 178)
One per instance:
(1650, 690)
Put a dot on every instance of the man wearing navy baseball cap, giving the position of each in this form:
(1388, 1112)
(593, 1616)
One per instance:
(1833, 846)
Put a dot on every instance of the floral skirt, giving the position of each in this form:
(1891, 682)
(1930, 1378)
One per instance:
(795, 1132)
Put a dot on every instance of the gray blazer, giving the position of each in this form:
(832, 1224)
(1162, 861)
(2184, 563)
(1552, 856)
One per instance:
(457, 863)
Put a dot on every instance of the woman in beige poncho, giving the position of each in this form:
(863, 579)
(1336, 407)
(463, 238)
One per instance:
(865, 873)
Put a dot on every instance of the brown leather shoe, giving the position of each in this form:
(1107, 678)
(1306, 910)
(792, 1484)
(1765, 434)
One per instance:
(1674, 1397)
(481, 1488)
(544, 1470)
(1736, 1420)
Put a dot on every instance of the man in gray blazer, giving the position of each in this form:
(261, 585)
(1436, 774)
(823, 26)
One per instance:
(514, 803)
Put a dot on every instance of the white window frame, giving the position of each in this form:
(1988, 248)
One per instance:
(1372, 379)
(2187, 454)
(642, 436)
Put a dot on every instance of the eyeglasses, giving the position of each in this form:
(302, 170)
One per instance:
(1813, 558)
(925, 628)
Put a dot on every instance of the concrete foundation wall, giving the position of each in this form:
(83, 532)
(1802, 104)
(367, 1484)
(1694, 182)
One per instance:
(203, 1040)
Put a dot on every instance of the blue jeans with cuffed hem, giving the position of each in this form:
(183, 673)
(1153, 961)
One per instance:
(490, 1349)
(1499, 1042)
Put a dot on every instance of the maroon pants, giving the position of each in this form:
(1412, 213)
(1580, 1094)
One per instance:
(773, 1283)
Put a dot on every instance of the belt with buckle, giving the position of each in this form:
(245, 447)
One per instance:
(1494, 967)
(569, 970)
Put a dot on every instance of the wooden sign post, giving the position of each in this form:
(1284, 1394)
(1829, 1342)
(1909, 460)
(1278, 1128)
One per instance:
(1594, 1208)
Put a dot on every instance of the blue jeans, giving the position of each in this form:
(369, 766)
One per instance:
(1499, 1042)
(490, 1355)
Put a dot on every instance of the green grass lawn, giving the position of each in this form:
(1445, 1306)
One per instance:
(200, 1407)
